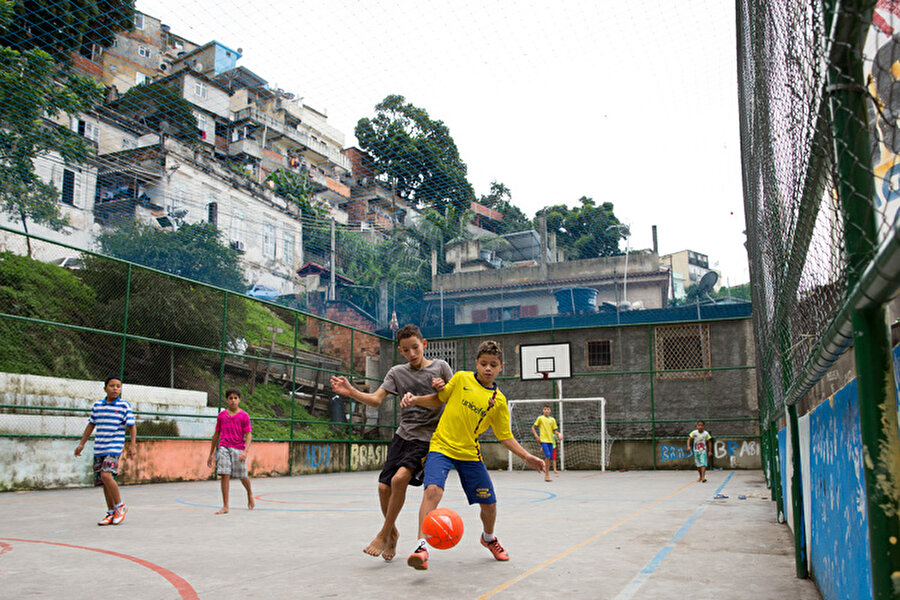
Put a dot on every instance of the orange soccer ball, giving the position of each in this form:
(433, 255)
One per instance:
(443, 528)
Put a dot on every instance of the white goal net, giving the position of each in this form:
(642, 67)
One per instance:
(582, 422)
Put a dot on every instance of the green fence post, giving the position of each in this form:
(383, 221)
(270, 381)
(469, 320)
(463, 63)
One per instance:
(350, 417)
(293, 394)
(797, 497)
(652, 399)
(871, 344)
(125, 321)
(222, 346)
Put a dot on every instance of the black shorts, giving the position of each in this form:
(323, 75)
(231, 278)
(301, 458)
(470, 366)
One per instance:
(405, 453)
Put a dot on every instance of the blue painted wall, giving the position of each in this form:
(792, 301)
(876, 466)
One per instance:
(839, 536)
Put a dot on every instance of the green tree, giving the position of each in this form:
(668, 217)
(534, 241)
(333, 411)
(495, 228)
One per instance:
(417, 154)
(586, 231)
(500, 199)
(194, 251)
(298, 188)
(63, 26)
(34, 92)
(162, 108)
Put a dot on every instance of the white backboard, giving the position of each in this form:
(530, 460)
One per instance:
(536, 360)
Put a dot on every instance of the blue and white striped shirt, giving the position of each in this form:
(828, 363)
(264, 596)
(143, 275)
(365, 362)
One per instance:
(109, 420)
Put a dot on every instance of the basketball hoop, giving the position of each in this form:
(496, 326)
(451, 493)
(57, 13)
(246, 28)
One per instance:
(545, 375)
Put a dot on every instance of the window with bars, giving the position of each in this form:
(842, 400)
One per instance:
(444, 350)
(682, 351)
(268, 240)
(599, 353)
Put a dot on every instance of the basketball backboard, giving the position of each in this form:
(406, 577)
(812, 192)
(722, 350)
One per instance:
(545, 361)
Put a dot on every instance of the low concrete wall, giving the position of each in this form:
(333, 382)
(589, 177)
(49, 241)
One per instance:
(639, 454)
(44, 463)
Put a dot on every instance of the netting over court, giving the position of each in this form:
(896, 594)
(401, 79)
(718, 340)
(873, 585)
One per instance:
(818, 111)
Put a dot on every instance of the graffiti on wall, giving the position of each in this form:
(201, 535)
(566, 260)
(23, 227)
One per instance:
(318, 456)
(367, 457)
(667, 452)
(721, 449)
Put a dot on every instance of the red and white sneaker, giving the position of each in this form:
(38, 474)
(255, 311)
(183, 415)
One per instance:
(495, 548)
(107, 519)
(418, 560)
(119, 515)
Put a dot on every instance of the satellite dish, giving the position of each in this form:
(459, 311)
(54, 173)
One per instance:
(707, 283)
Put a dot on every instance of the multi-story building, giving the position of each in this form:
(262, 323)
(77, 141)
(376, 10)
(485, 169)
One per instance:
(373, 204)
(169, 183)
(527, 277)
(247, 131)
(687, 267)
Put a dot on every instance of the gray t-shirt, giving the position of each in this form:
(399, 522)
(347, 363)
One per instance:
(416, 422)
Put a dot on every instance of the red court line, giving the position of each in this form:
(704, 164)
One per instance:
(4, 548)
(181, 585)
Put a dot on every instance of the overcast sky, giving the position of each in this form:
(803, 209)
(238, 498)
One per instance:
(634, 102)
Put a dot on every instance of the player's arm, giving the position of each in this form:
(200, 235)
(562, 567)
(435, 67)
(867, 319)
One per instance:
(535, 433)
(212, 448)
(558, 434)
(409, 399)
(530, 459)
(342, 386)
(248, 437)
(132, 442)
(88, 430)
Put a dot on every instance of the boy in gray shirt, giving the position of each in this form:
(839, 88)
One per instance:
(405, 461)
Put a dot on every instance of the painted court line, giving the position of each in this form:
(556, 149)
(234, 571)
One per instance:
(533, 570)
(654, 563)
(183, 588)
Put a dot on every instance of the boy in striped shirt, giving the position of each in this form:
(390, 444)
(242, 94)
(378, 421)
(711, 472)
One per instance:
(110, 417)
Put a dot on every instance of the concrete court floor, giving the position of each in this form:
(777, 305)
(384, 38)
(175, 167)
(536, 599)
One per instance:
(616, 535)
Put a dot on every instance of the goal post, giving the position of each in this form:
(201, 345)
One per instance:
(585, 442)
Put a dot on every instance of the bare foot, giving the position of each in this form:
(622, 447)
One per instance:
(698, 479)
(377, 546)
(704, 481)
(222, 511)
(251, 503)
(546, 479)
(391, 550)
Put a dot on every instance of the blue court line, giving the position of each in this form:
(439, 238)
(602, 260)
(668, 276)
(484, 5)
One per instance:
(654, 563)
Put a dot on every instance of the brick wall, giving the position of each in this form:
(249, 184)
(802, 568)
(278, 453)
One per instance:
(334, 340)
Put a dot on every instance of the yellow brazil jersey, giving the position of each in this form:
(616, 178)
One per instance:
(546, 425)
(470, 409)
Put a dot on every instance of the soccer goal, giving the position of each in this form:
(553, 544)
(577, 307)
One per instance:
(582, 423)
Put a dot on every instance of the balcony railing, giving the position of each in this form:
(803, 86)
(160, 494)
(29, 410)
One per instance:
(294, 134)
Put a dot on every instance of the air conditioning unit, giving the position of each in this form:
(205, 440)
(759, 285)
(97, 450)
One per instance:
(238, 245)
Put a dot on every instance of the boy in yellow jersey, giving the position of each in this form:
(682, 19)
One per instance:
(472, 403)
(548, 429)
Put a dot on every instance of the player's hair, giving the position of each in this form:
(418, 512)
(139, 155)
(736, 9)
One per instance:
(234, 391)
(490, 347)
(701, 421)
(408, 331)
(546, 405)
(110, 378)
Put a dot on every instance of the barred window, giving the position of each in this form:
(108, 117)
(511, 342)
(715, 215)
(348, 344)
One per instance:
(682, 347)
(445, 350)
(599, 353)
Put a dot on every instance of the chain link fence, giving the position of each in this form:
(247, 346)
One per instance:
(819, 105)
(177, 344)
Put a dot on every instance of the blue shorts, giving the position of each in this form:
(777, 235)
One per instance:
(473, 476)
(547, 447)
